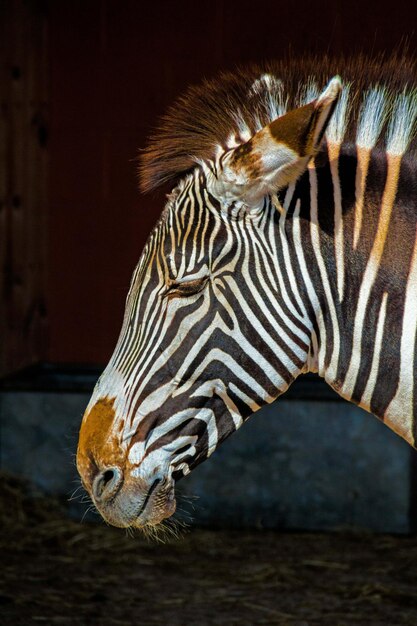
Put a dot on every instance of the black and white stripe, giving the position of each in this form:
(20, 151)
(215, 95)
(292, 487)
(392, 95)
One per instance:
(230, 302)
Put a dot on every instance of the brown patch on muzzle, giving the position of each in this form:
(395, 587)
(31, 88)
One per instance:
(98, 446)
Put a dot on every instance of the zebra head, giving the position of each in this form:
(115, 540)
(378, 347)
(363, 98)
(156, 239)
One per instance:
(202, 346)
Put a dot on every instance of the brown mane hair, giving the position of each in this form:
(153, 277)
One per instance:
(207, 114)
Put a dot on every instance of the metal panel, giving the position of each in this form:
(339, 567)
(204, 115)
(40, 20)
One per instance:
(295, 464)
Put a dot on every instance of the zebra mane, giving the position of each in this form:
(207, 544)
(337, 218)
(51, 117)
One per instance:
(378, 108)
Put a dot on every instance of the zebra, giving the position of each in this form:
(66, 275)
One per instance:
(287, 245)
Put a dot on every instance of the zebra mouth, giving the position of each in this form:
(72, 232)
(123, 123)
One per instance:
(148, 496)
(157, 505)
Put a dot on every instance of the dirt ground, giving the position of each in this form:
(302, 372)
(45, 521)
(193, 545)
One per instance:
(58, 571)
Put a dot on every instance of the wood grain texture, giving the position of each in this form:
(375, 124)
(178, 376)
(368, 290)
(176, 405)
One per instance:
(23, 183)
(113, 68)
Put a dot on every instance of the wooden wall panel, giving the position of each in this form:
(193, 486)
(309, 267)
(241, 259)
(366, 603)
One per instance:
(23, 183)
(114, 67)
(3, 186)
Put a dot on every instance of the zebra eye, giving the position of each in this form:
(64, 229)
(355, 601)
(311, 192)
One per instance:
(186, 288)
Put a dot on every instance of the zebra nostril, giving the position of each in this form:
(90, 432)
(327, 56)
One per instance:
(107, 483)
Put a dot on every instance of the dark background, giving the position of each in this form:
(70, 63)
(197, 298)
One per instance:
(82, 84)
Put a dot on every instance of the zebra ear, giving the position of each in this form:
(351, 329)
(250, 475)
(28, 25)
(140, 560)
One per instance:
(277, 154)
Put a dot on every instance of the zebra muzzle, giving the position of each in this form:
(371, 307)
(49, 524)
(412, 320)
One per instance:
(158, 504)
(107, 484)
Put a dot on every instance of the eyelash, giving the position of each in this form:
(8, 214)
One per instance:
(188, 288)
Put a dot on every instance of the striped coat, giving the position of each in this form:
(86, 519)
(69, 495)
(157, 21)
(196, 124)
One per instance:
(288, 244)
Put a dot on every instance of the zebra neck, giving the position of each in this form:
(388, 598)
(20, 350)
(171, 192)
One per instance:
(351, 225)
